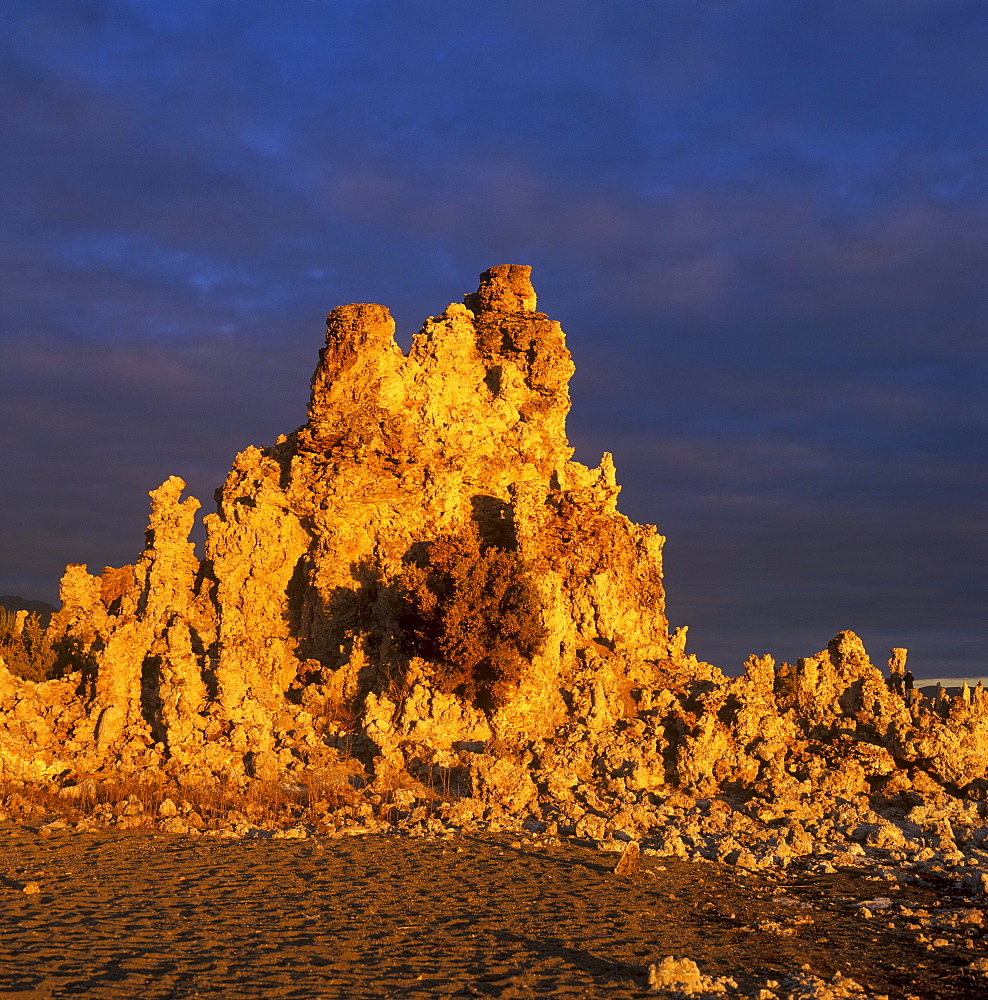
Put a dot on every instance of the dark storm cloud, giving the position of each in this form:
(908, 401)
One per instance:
(762, 225)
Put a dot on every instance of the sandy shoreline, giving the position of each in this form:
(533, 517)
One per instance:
(156, 916)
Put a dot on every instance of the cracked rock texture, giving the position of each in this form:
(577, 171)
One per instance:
(420, 585)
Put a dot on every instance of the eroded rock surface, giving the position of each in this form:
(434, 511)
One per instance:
(420, 594)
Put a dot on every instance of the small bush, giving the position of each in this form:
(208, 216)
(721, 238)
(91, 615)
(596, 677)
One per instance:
(29, 652)
(472, 610)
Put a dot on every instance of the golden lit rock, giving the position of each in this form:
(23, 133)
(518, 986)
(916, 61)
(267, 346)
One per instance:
(420, 586)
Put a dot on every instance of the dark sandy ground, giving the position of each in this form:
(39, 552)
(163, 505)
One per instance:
(152, 916)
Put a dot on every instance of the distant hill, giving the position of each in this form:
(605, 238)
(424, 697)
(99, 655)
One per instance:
(10, 603)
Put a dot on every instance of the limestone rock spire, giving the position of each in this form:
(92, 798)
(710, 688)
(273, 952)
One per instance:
(504, 288)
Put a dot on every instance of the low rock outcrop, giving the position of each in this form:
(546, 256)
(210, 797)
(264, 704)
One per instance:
(420, 593)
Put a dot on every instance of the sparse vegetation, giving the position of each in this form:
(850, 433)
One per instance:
(209, 805)
(471, 609)
(311, 799)
(28, 650)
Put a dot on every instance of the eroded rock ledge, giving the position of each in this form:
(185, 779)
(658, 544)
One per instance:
(418, 593)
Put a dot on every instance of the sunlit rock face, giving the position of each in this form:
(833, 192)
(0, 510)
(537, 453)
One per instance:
(318, 580)
(313, 540)
(420, 580)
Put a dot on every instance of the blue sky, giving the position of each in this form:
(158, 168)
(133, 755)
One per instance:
(763, 225)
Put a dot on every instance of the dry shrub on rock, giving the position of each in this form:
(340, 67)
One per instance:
(471, 609)
(26, 647)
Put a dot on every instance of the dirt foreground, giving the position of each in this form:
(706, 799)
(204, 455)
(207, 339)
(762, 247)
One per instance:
(156, 916)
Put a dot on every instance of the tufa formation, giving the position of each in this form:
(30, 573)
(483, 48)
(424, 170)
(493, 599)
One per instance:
(419, 588)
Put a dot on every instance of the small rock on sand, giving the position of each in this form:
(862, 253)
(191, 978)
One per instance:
(628, 864)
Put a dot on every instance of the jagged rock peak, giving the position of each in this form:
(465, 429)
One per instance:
(483, 381)
(422, 576)
(503, 288)
(422, 555)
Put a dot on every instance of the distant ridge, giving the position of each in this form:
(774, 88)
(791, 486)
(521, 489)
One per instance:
(11, 603)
